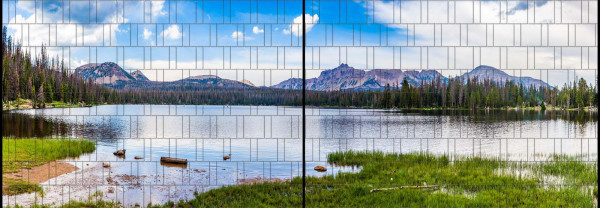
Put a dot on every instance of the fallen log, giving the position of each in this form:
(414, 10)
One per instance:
(404, 187)
(173, 160)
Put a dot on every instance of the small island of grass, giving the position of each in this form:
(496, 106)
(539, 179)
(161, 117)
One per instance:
(27, 153)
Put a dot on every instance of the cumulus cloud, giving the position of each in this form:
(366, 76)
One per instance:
(257, 30)
(172, 32)
(296, 28)
(147, 34)
(157, 8)
(69, 35)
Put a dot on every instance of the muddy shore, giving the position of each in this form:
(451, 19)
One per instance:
(41, 173)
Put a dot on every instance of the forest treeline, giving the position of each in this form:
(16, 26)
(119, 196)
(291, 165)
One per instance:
(43, 79)
(477, 93)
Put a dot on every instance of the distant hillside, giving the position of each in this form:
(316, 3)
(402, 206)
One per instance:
(482, 72)
(345, 77)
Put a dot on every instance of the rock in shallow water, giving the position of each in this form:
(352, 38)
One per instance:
(119, 152)
(320, 168)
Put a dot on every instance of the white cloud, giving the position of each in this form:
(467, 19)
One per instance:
(62, 35)
(147, 33)
(157, 8)
(237, 34)
(296, 28)
(257, 30)
(387, 12)
(27, 6)
(172, 32)
(78, 62)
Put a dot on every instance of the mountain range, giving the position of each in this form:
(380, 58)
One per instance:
(343, 77)
(112, 75)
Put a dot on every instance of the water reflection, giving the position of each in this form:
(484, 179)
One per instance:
(265, 141)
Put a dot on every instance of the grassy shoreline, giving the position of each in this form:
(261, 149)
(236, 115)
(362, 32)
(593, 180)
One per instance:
(468, 182)
(463, 182)
(23, 104)
(18, 153)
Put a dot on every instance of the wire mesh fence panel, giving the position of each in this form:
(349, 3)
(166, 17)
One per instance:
(289, 103)
(452, 103)
(174, 98)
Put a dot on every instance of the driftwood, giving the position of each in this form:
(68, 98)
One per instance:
(173, 160)
(405, 187)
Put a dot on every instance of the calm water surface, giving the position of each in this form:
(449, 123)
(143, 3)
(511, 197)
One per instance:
(265, 142)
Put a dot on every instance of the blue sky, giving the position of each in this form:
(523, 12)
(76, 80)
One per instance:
(261, 40)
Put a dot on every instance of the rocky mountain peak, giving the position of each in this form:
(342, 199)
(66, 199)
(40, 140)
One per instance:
(484, 70)
(104, 73)
(248, 82)
(139, 76)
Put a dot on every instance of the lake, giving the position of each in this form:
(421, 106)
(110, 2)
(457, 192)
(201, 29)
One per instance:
(265, 143)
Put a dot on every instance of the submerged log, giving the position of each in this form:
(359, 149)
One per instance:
(405, 187)
(173, 160)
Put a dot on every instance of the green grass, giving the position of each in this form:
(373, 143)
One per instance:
(54, 104)
(20, 153)
(18, 186)
(73, 203)
(569, 168)
(471, 182)
(15, 104)
(61, 104)
(28, 152)
(93, 200)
